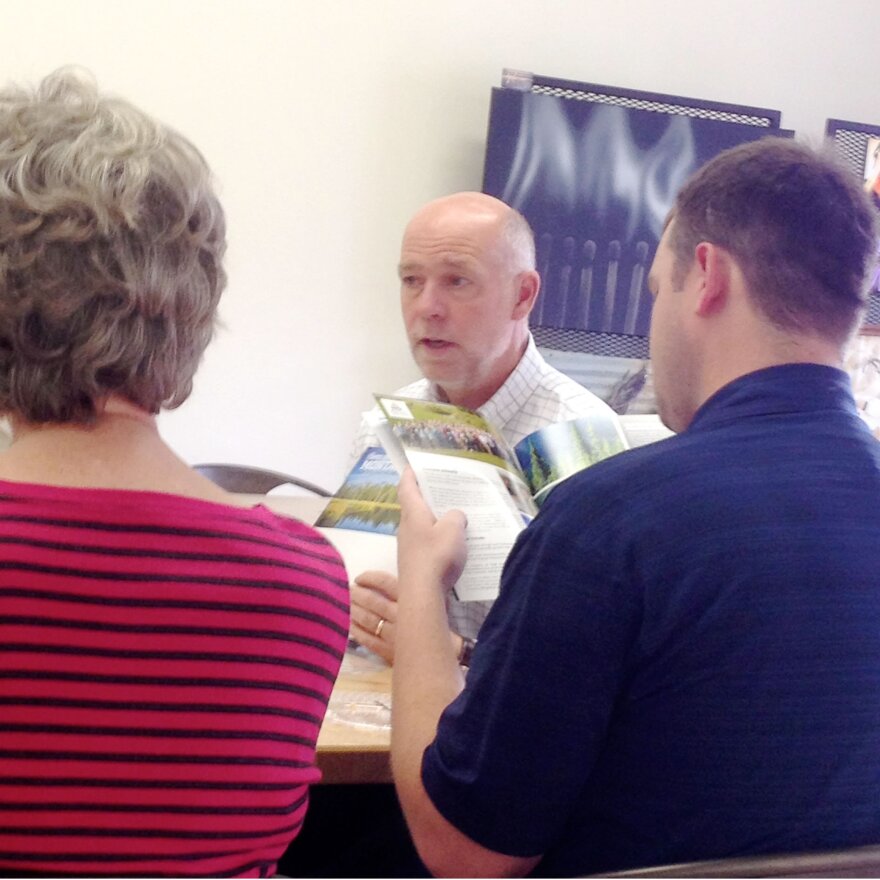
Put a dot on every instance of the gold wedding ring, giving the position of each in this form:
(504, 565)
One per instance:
(378, 631)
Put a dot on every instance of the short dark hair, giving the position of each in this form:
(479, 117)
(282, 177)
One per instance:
(798, 224)
(111, 247)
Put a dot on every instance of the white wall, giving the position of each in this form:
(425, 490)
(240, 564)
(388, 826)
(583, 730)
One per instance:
(328, 122)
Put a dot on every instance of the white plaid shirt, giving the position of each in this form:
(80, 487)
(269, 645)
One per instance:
(533, 396)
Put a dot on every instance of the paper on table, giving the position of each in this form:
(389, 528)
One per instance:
(370, 709)
(363, 551)
(360, 551)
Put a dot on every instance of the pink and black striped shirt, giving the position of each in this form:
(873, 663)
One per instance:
(165, 666)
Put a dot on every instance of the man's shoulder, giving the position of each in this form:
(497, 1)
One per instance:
(572, 398)
(723, 466)
(544, 397)
(640, 479)
(655, 458)
(575, 400)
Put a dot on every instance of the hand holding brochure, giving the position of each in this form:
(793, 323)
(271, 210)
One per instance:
(463, 462)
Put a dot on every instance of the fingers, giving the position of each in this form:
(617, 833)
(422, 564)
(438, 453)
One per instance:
(382, 645)
(369, 606)
(374, 612)
(413, 506)
(381, 581)
(413, 509)
(456, 520)
(429, 550)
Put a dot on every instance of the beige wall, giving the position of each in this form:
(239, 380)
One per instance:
(327, 122)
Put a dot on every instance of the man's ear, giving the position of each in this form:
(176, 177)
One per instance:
(714, 265)
(527, 286)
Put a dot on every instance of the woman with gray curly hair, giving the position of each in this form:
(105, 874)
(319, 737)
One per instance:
(165, 656)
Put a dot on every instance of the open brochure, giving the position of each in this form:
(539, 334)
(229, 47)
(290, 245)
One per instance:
(461, 461)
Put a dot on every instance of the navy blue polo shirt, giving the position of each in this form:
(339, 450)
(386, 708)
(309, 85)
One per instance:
(684, 661)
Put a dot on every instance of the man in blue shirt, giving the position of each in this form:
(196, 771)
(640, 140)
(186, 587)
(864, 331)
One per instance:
(684, 661)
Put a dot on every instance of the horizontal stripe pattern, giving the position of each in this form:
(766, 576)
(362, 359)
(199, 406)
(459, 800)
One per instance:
(165, 665)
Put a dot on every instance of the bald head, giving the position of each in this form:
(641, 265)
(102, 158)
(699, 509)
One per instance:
(468, 284)
(514, 238)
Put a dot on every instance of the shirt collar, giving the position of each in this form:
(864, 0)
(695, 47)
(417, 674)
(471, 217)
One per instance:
(774, 390)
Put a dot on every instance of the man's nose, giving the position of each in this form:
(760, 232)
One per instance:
(431, 301)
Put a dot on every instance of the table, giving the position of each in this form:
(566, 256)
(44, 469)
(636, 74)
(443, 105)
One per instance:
(354, 745)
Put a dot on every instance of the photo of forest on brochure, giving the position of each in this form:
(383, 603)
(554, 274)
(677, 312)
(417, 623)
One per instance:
(367, 500)
(551, 454)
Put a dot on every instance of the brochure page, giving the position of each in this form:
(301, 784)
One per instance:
(462, 462)
(552, 454)
(367, 500)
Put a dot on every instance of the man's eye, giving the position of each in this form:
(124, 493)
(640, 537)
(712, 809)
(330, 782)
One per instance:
(408, 280)
(457, 281)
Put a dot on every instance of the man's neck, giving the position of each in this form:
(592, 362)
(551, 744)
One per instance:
(787, 349)
(468, 397)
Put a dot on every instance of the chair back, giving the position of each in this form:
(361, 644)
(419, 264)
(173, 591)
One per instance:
(253, 480)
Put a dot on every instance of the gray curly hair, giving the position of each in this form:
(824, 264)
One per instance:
(111, 246)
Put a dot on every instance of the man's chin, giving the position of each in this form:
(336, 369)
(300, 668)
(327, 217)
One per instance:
(437, 368)
(444, 378)
(449, 381)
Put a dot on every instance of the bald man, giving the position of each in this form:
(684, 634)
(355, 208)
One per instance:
(467, 286)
